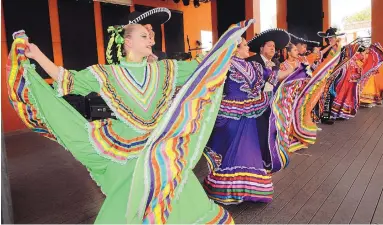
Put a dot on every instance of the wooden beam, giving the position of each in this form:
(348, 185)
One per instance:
(326, 4)
(253, 11)
(376, 22)
(99, 32)
(282, 14)
(163, 37)
(214, 20)
(55, 32)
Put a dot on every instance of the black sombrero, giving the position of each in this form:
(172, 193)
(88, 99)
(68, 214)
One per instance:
(154, 16)
(280, 37)
(331, 32)
(297, 40)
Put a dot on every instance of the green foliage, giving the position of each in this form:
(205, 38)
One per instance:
(363, 15)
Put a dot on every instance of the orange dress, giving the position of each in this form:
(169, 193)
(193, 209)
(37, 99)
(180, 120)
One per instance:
(356, 75)
(346, 101)
(372, 91)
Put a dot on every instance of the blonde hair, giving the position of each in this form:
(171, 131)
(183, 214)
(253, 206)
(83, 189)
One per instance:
(115, 53)
(129, 28)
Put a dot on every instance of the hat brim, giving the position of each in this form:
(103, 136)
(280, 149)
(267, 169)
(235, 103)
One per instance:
(156, 16)
(324, 35)
(280, 37)
(297, 40)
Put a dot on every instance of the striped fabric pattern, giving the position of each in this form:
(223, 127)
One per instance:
(237, 184)
(141, 94)
(65, 83)
(168, 158)
(350, 51)
(112, 145)
(246, 74)
(251, 108)
(305, 129)
(374, 61)
(347, 101)
(223, 217)
(18, 92)
(282, 108)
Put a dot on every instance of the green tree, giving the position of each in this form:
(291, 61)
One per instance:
(363, 15)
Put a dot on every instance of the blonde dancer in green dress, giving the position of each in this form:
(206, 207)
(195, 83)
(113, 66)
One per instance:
(142, 160)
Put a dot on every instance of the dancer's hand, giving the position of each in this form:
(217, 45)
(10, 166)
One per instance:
(152, 58)
(32, 51)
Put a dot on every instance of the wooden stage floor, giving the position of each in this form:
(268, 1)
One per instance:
(337, 180)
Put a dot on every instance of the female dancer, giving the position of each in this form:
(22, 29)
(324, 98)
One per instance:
(143, 160)
(352, 79)
(238, 161)
(295, 98)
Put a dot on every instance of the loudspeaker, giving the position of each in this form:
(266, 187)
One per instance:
(174, 33)
(305, 18)
(229, 12)
(78, 33)
(97, 108)
(186, 2)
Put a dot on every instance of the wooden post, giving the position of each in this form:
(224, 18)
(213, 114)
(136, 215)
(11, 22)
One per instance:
(99, 32)
(253, 11)
(282, 14)
(214, 20)
(55, 32)
(163, 38)
(376, 21)
(326, 4)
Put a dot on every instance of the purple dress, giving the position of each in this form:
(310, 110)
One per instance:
(238, 153)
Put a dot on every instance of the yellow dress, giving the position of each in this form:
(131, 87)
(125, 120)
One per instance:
(372, 91)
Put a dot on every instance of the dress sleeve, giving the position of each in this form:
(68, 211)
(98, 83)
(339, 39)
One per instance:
(76, 82)
(313, 57)
(186, 69)
(269, 75)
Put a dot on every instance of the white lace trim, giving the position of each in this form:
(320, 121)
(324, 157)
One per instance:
(88, 126)
(108, 101)
(238, 167)
(60, 79)
(151, 12)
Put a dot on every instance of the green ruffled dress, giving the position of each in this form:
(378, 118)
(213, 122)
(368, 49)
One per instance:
(142, 160)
